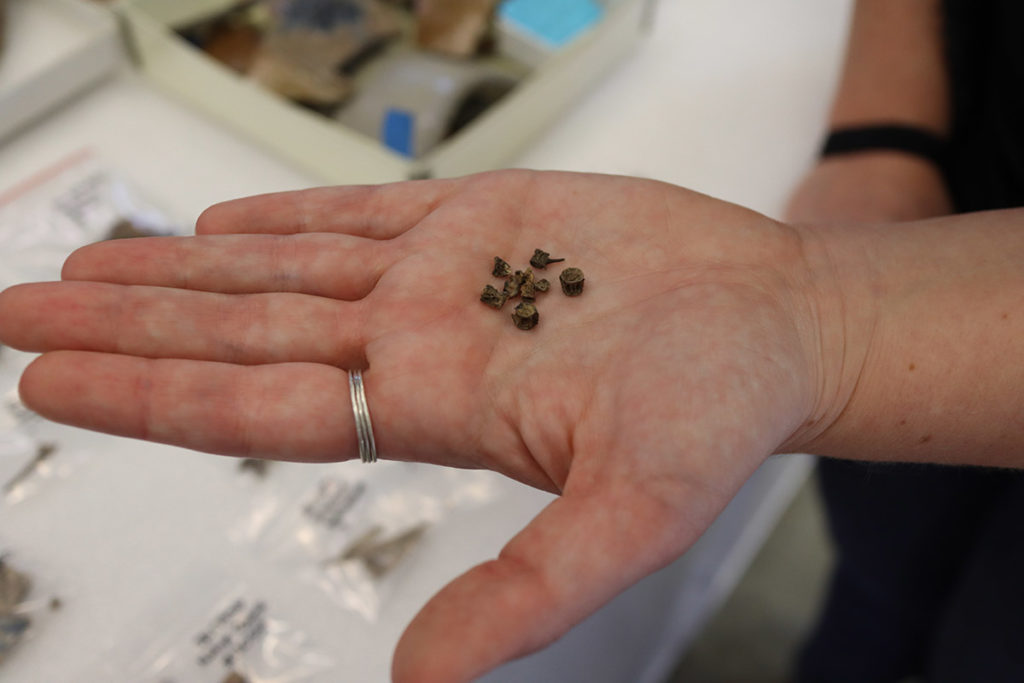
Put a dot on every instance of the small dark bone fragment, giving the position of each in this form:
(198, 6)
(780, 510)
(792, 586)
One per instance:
(526, 316)
(56, 604)
(572, 281)
(501, 268)
(492, 297)
(258, 466)
(513, 285)
(529, 290)
(43, 453)
(541, 259)
(235, 677)
(542, 285)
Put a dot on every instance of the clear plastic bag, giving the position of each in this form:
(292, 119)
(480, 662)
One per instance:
(78, 201)
(355, 531)
(220, 633)
(29, 460)
(17, 447)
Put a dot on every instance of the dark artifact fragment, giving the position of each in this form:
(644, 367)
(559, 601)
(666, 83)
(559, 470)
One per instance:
(529, 290)
(258, 466)
(14, 587)
(235, 677)
(526, 316)
(492, 297)
(381, 555)
(542, 285)
(572, 281)
(125, 229)
(541, 259)
(501, 268)
(43, 453)
(514, 284)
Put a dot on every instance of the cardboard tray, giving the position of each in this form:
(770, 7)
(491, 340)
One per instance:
(340, 155)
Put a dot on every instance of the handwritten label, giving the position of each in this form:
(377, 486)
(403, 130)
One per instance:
(231, 632)
(332, 502)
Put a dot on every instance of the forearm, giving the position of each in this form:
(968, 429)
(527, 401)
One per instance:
(895, 69)
(924, 340)
(895, 73)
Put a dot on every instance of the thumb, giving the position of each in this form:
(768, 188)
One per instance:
(576, 555)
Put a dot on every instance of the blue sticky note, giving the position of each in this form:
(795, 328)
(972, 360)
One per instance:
(555, 22)
(397, 131)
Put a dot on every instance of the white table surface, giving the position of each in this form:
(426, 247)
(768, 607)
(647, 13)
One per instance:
(726, 97)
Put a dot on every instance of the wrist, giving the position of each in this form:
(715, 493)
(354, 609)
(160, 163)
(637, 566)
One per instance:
(919, 331)
(840, 290)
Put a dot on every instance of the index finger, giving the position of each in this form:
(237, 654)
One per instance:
(374, 211)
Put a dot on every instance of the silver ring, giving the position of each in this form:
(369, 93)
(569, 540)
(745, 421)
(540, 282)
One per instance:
(364, 428)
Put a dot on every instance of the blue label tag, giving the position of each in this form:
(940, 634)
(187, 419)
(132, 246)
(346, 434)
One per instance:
(555, 22)
(398, 130)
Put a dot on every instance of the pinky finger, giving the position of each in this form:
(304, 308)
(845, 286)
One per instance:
(289, 411)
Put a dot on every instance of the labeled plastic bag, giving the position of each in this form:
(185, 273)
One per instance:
(29, 459)
(76, 202)
(355, 531)
(221, 633)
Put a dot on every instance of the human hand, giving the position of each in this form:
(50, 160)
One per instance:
(875, 186)
(646, 402)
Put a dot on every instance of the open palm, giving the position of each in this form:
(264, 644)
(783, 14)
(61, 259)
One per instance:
(645, 402)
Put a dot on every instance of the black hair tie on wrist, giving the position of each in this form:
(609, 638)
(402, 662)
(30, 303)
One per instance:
(916, 141)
